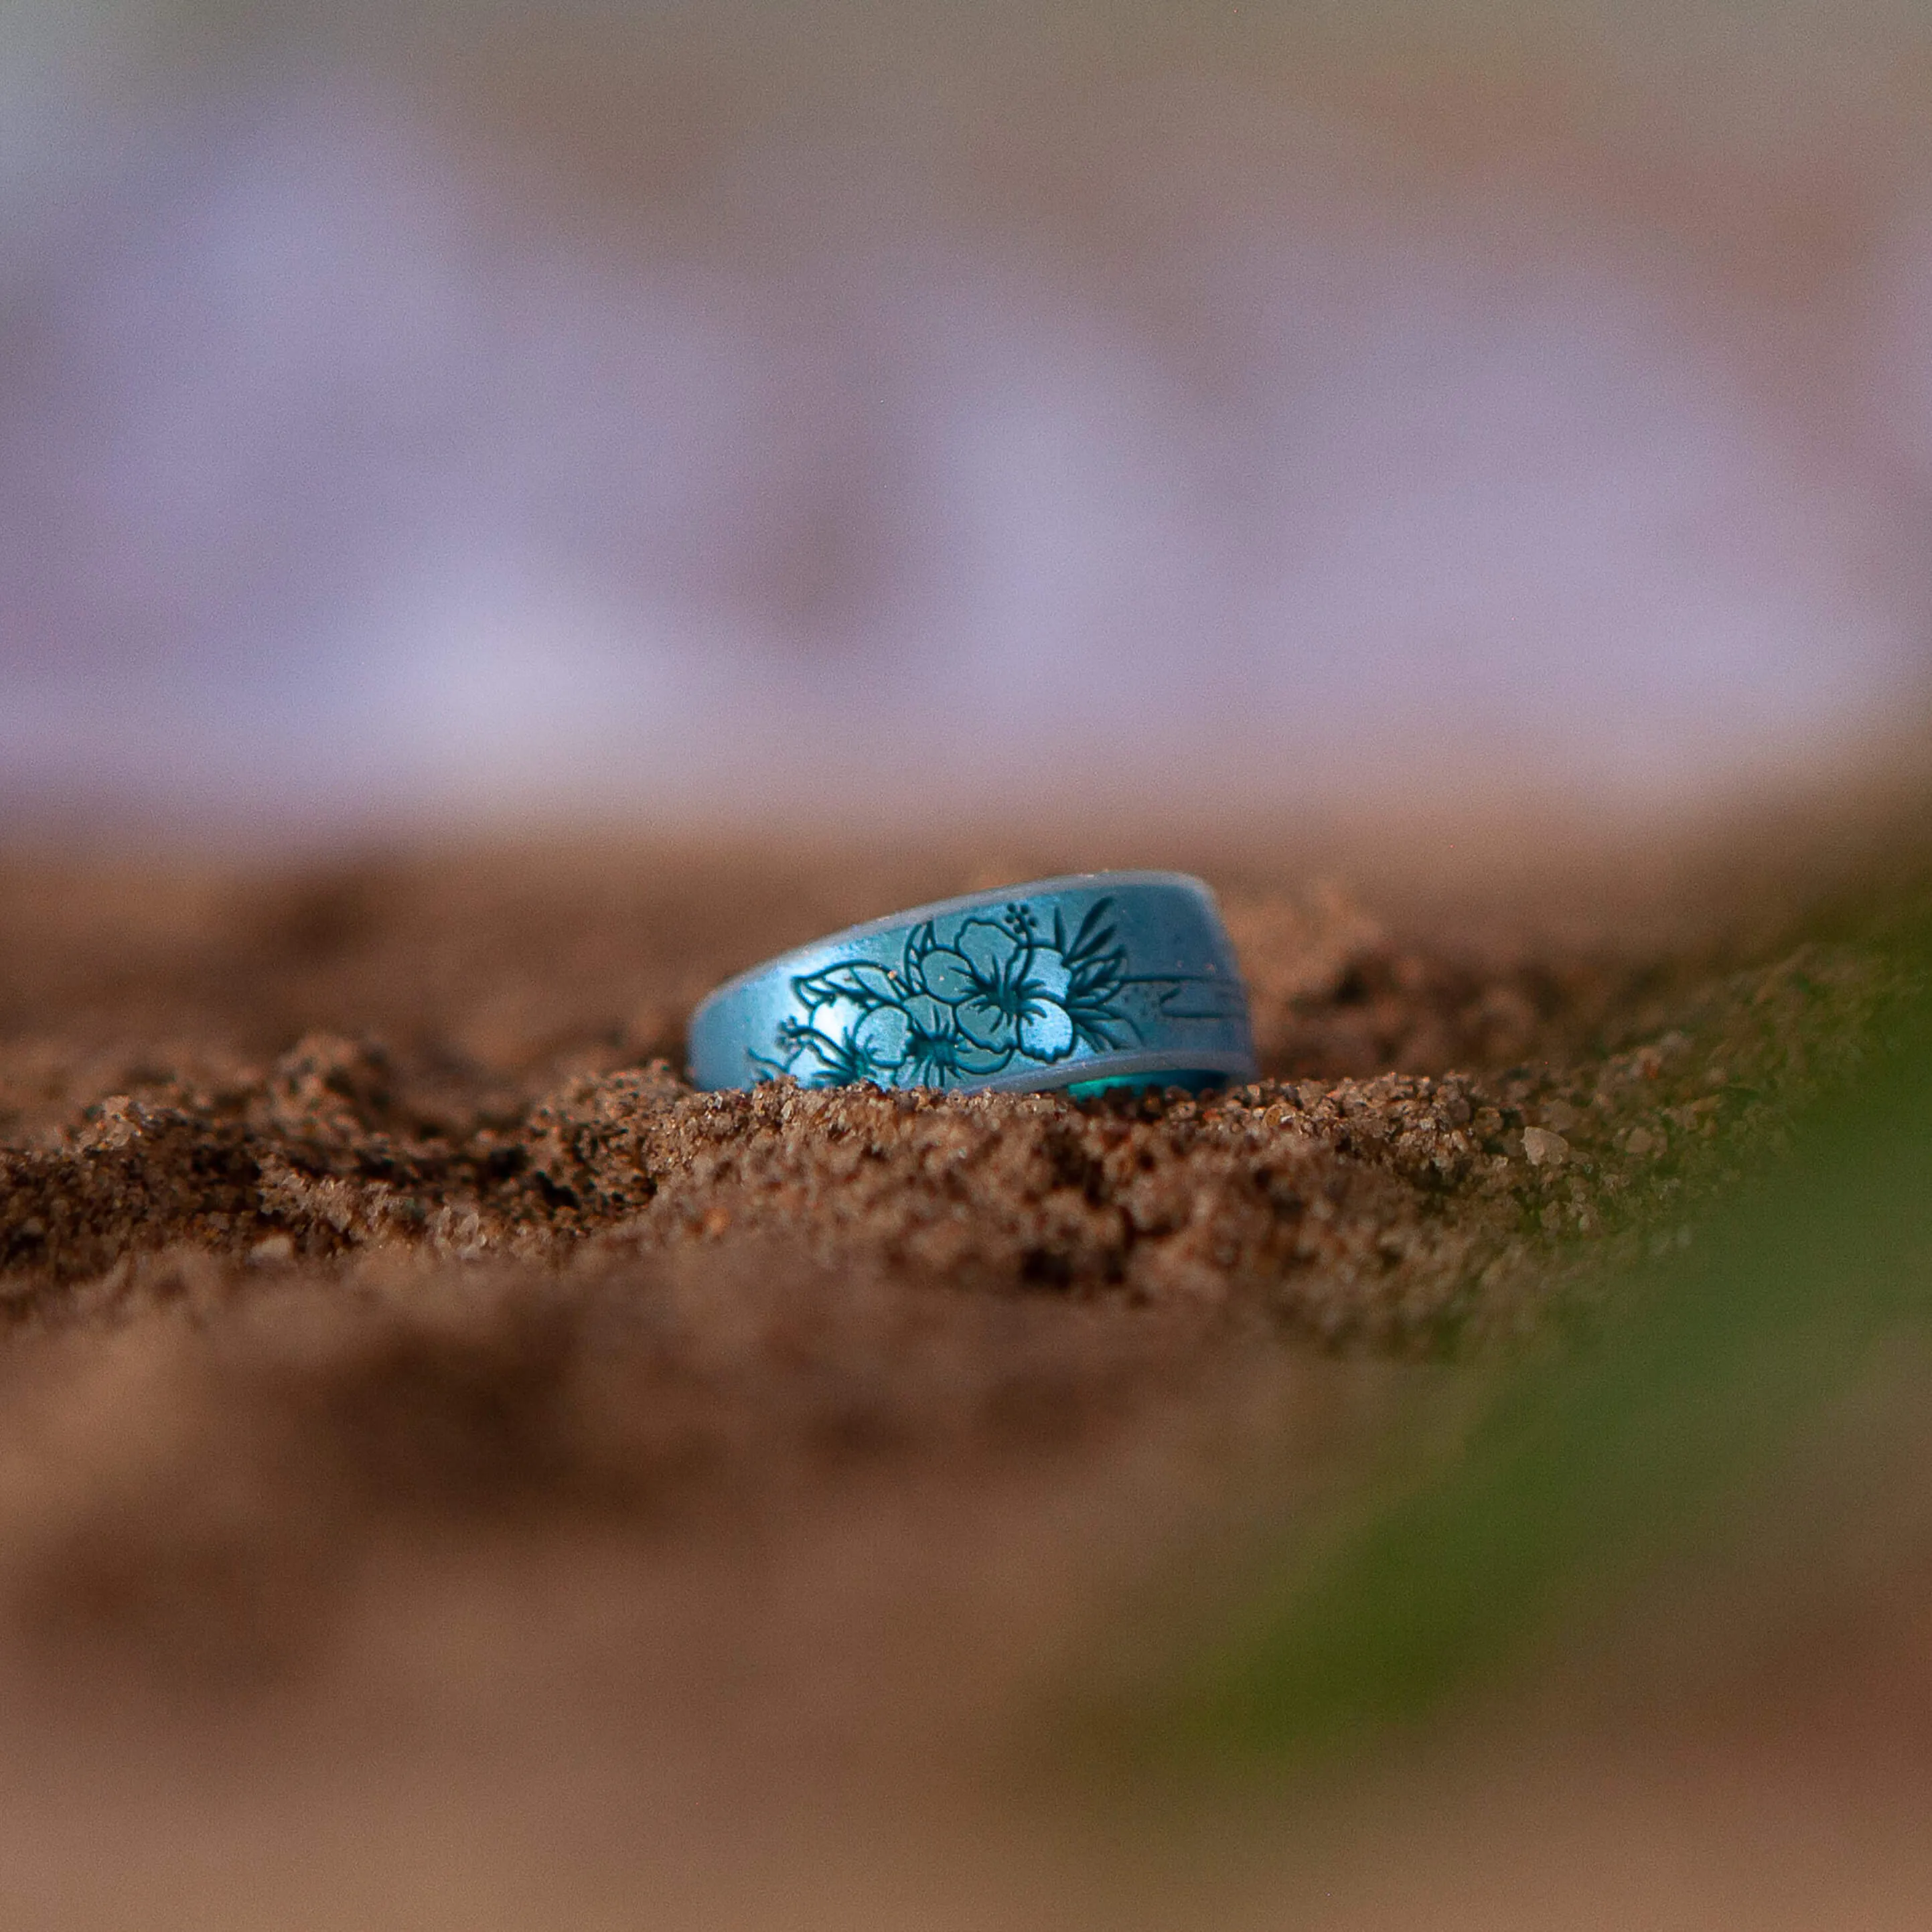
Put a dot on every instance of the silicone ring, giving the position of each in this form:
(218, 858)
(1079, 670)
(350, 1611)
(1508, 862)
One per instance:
(1101, 980)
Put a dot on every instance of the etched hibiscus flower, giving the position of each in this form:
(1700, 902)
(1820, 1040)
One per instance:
(937, 1054)
(946, 1014)
(886, 1038)
(845, 1042)
(1006, 988)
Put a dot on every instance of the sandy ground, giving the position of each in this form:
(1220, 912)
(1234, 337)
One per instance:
(452, 1473)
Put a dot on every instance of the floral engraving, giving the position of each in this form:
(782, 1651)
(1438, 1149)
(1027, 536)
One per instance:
(994, 992)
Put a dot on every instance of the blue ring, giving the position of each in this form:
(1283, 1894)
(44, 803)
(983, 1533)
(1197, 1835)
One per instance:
(1102, 980)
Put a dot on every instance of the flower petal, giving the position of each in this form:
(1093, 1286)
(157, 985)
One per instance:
(980, 1060)
(983, 1023)
(834, 1018)
(858, 982)
(928, 1017)
(949, 975)
(1047, 976)
(881, 1036)
(1045, 1031)
(987, 946)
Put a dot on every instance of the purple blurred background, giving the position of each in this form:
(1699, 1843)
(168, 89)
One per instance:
(705, 413)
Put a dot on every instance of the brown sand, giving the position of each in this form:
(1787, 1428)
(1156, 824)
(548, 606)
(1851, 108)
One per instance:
(479, 1060)
(399, 1354)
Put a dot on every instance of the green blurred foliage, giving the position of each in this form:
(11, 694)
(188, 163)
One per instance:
(1598, 1461)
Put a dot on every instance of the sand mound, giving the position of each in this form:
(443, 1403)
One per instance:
(402, 1367)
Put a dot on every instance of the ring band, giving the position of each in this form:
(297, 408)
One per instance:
(1099, 980)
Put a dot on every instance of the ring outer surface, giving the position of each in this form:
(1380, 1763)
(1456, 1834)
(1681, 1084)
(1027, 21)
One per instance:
(1090, 980)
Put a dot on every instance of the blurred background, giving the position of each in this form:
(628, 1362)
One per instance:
(703, 412)
(933, 420)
